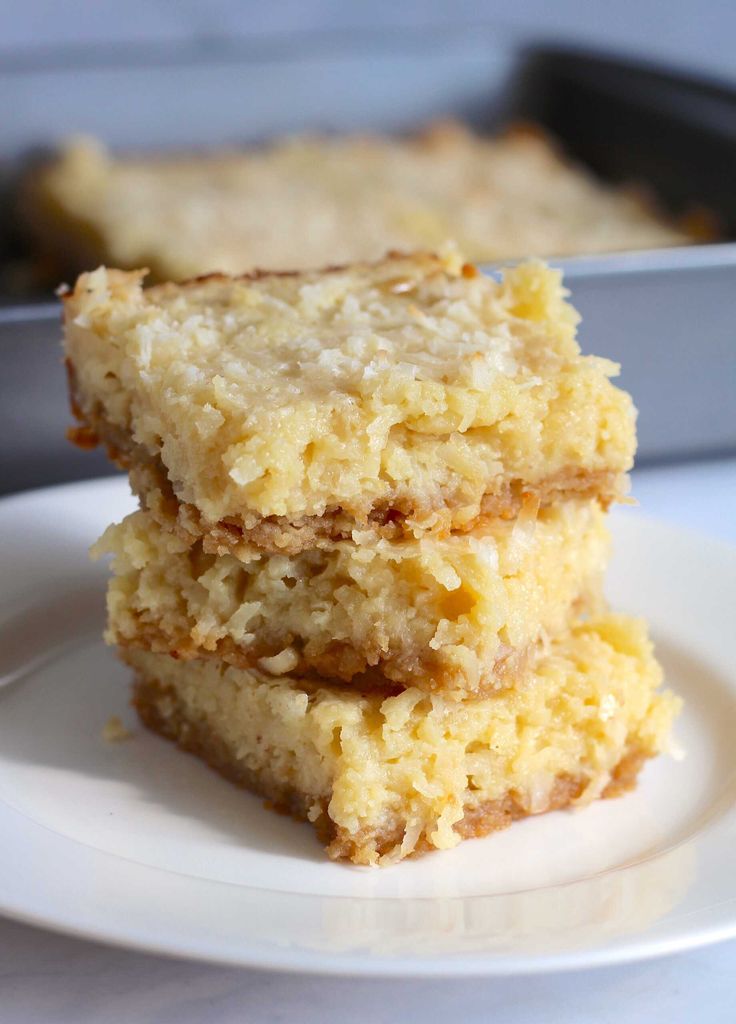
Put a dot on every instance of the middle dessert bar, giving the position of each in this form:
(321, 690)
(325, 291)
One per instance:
(462, 613)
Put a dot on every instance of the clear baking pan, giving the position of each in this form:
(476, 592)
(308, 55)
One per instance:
(667, 316)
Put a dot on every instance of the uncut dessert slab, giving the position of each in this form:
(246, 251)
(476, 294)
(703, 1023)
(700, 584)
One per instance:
(365, 579)
(354, 198)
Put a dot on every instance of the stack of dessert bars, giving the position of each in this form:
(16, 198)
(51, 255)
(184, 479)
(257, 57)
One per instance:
(365, 577)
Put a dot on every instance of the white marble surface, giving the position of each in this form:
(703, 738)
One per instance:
(50, 979)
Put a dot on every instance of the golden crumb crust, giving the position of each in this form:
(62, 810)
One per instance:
(383, 776)
(461, 614)
(413, 391)
(304, 202)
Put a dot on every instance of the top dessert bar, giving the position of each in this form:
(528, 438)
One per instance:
(399, 397)
(304, 202)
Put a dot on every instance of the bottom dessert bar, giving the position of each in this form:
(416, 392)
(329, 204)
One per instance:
(386, 775)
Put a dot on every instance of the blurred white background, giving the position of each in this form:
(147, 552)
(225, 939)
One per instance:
(695, 34)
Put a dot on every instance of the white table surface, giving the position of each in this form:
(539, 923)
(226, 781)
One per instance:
(49, 979)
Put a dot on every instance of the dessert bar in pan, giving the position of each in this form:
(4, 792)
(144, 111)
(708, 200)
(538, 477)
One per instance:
(305, 202)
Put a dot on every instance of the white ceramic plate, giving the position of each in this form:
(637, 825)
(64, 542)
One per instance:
(137, 844)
